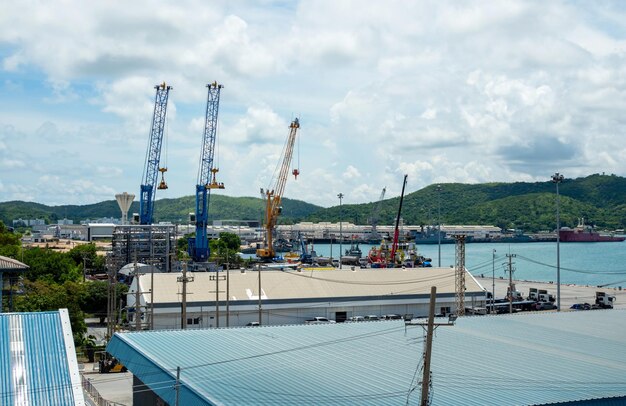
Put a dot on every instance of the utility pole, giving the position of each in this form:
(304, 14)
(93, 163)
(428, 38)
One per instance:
(340, 196)
(493, 281)
(184, 279)
(227, 291)
(510, 257)
(260, 311)
(459, 275)
(177, 386)
(439, 223)
(217, 278)
(137, 299)
(429, 346)
(430, 327)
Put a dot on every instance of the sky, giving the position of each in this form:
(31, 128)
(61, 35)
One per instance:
(444, 91)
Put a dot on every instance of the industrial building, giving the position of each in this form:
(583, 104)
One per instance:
(150, 243)
(39, 364)
(291, 297)
(521, 359)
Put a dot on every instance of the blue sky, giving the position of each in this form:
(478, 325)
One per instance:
(444, 91)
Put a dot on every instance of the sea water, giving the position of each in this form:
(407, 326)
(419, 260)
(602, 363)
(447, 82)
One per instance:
(593, 264)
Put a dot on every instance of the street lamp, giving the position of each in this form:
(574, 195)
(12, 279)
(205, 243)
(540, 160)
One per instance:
(439, 222)
(558, 178)
(340, 196)
(493, 280)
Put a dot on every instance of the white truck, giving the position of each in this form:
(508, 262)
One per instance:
(540, 295)
(604, 301)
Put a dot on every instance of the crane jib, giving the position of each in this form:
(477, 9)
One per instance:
(153, 155)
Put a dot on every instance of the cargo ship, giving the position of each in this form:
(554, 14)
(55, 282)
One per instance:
(584, 233)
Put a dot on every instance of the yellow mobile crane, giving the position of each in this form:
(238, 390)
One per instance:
(273, 197)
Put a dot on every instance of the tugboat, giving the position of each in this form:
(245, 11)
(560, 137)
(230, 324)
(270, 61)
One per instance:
(585, 233)
(352, 255)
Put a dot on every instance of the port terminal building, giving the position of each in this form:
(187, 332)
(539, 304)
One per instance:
(288, 296)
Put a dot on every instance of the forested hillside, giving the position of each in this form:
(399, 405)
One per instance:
(600, 199)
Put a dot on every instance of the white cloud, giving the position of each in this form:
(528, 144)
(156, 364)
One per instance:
(442, 91)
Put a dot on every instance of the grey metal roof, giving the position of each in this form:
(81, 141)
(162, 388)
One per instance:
(521, 359)
(38, 360)
(11, 265)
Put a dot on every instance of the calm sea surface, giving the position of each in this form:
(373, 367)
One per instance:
(581, 263)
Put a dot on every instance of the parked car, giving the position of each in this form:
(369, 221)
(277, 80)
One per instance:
(371, 317)
(580, 306)
(253, 324)
(545, 306)
(319, 320)
(356, 318)
(391, 317)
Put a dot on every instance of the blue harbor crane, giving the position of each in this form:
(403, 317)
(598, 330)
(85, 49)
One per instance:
(199, 245)
(153, 155)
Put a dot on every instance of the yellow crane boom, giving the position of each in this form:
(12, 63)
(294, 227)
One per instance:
(273, 197)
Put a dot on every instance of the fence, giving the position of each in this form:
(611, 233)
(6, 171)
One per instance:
(95, 396)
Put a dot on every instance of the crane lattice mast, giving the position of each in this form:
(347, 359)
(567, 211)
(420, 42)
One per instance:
(199, 245)
(396, 232)
(153, 156)
(375, 213)
(273, 197)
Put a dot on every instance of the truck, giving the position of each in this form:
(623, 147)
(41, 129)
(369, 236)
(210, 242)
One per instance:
(516, 296)
(533, 294)
(544, 296)
(604, 301)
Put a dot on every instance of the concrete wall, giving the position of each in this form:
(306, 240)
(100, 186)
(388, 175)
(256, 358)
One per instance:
(205, 317)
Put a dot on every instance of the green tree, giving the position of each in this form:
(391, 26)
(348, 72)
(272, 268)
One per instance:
(56, 266)
(46, 295)
(96, 299)
(9, 242)
(232, 241)
(87, 255)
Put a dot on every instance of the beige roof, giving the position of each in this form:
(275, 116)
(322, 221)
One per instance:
(306, 284)
(10, 264)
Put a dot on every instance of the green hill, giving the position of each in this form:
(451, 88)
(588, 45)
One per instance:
(600, 199)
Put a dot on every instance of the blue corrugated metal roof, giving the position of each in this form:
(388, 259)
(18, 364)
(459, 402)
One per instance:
(38, 361)
(493, 360)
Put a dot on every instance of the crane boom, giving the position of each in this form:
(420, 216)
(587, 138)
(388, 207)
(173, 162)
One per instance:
(375, 212)
(199, 245)
(396, 231)
(153, 155)
(273, 197)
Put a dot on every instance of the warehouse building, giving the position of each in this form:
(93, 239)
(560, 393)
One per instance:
(38, 360)
(571, 358)
(291, 297)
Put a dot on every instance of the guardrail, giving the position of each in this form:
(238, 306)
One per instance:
(95, 396)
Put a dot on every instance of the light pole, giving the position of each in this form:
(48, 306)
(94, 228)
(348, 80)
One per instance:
(493, 280)
(340, 196)
(558, 178)
(439, 222)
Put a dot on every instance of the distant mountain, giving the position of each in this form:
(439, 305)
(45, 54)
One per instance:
(174, 210)
(600, 199)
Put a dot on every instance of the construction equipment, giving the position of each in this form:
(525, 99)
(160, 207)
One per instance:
(273, 197)
(374, 235)
(109, 364)
(198, 247)
(396, 231)
(153, 156)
